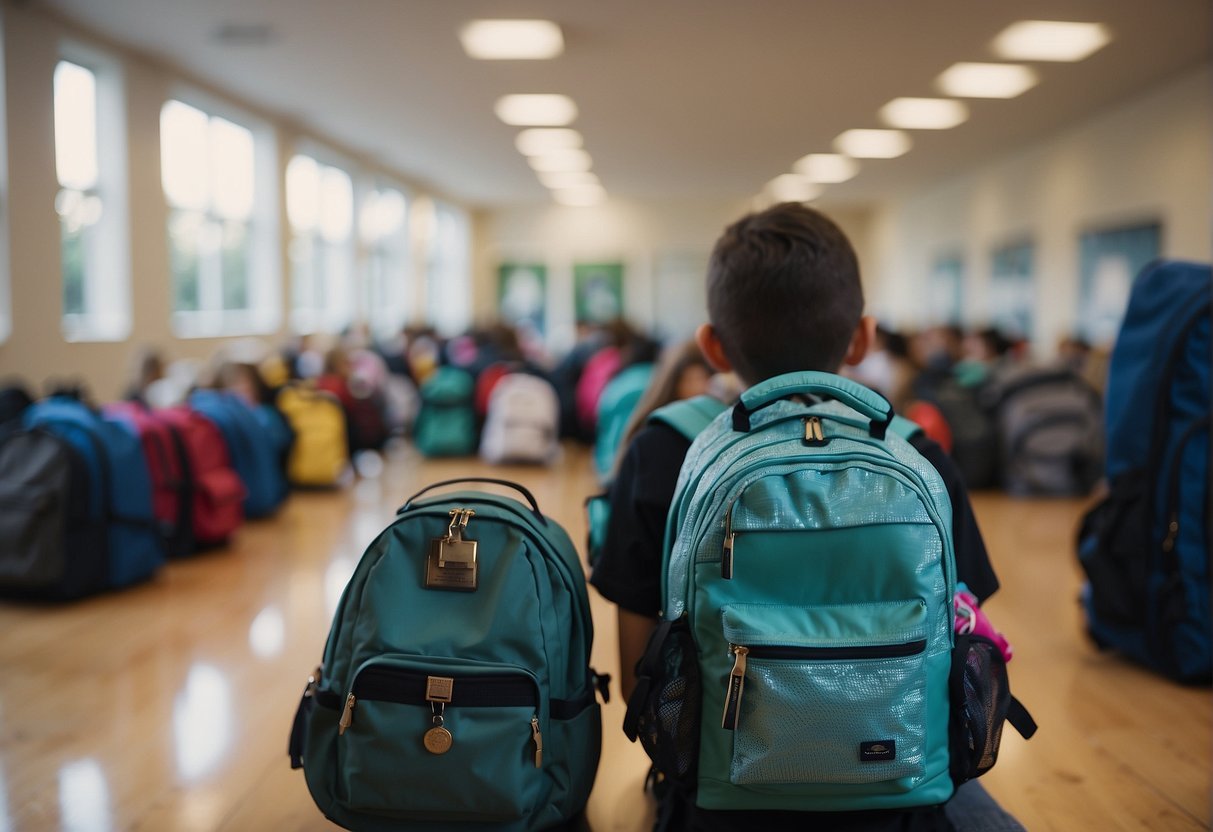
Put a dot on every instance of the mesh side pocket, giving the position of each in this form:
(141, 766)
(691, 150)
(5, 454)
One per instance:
(668, 724)
(980, 699)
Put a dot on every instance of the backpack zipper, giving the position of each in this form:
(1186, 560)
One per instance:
(741, 653)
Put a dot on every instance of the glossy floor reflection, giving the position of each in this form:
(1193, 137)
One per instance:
(167, 707)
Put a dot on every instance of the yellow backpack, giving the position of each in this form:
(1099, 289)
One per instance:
(320, 454)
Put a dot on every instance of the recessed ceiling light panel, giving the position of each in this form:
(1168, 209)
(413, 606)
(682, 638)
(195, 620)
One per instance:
(1051, 40)
(924, 113)
(973, 80)
(873, 144)
(561, 160)
(536, 110)
(827, 168)
(496, 40)
(792, 187)
(536, 141)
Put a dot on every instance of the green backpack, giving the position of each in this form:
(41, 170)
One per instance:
(455, 690)
(805, 655)
(446, 422)
(619, 398)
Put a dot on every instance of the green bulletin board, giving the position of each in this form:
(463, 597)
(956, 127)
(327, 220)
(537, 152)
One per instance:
(522, 291)
(598, 292)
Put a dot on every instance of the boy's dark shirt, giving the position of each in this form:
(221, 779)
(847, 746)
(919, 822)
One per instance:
(629, 575)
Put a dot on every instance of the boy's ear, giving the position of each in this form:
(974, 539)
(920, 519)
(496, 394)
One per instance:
(709, 344)
(861, 341)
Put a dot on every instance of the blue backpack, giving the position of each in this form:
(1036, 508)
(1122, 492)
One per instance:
(688, 417)
(256, 449)
(805, 659)
(1145, 548)
(446, 423)
(119, 499)
(455, 690)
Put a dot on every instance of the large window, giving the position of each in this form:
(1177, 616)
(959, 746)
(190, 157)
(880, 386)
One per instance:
(383, 226)
(218, 244)
(91, 202)
(448, 282)
(320, 205)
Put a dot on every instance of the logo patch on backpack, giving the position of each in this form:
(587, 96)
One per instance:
(877, 751)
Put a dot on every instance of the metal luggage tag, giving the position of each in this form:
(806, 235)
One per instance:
(451, 564)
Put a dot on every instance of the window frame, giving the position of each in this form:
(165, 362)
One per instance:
(107, 277)
(396, 249)
(329, 319)
(437, 266)
(263, 314)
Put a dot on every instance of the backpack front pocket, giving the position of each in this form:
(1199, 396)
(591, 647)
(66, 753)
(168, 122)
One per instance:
(826, 694)
(441, 740)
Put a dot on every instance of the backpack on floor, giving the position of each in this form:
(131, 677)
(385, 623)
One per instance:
(689, 417)
(973, 431)
(806, 659)
(1145, 548)
(320, 453)
(166, 466)
(14, 399)
(214, 499)
(1050, 431)
(619, 398)
(119, 499)
(254, 446)
(455, 690)
(523, 423)
(446, 424)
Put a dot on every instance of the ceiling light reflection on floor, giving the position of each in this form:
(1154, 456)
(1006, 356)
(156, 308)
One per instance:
(267, 633)
(84, 798)
(202, 722)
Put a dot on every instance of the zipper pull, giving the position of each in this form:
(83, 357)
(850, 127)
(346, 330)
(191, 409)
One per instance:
(1172, 532)
(347, 716)
(813, 434)
(538, 738)
(732, 699)
(726, 560)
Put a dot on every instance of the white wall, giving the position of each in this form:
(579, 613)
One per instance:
(641, 235)
(1148, 159)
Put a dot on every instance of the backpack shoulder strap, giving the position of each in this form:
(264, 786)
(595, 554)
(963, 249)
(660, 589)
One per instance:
(904, 428)
(690, 416)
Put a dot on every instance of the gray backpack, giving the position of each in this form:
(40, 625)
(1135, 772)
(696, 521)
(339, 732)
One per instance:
(1050, 427)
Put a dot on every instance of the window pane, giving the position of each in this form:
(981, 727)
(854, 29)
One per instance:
(231, 159)
(75, 126)
(183, 155)
(184, 234)
(303, 193)
(336, 205)
(73, 269)
(235, 265)
(383, 215)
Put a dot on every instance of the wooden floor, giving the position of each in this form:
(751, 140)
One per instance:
(168, 706)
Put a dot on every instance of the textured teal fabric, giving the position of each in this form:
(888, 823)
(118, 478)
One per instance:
(837, 581)
(446, 423)
(517, 649)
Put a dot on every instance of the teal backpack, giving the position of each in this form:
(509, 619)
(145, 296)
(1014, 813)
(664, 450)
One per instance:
(688, 417)
(446, 423)
(455, 691)
(619, 398)
(805, 657)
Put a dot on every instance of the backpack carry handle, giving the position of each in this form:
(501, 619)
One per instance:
(854, 395)
(530, 498)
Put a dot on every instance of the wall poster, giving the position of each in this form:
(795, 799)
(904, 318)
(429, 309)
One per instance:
(1109, 262)
(597, 292)
(1011, 298)
(522, 292)
(945, 291)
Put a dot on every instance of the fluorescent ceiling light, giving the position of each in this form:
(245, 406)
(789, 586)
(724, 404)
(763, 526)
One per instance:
(826, 168)
(539, 140)
(1051, 40)
(924, 113)
(581, 196)
(873, 144)
(792, 187)
(495, 40)
(561, 160)
(567, 178)
(536, 110)
(968, 80)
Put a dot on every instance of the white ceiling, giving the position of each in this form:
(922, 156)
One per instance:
(678, 98)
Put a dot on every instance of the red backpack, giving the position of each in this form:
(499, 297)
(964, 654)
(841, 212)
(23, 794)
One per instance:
(164, 463)
(216, 494)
